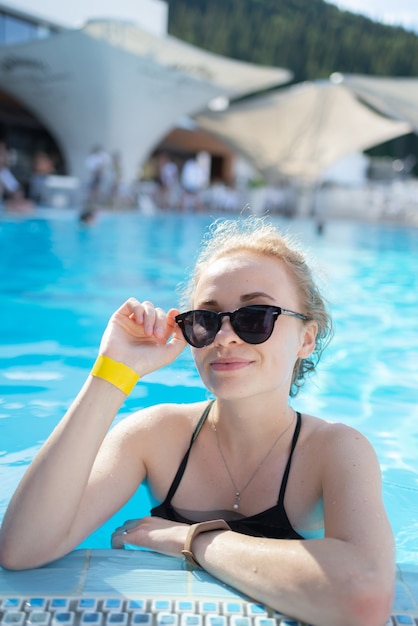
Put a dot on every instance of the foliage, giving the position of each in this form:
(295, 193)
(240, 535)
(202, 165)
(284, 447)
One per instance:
(312, 38)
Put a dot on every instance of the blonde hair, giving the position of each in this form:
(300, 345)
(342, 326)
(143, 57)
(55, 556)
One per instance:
(254, 234)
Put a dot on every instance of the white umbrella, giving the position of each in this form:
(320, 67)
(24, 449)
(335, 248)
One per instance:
(393, 96)
(234, 77)
(301, 130)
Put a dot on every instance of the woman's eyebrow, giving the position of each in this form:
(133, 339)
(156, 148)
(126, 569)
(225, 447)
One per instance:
(246, 297)
(256, 294)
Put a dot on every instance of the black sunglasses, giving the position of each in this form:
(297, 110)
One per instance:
(253, 324)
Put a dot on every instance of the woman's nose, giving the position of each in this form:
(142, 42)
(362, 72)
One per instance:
(226, 334)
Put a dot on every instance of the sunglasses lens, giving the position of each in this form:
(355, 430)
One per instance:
(254, 324)
(200, 328)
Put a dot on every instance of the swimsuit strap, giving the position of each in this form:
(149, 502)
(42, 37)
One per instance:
(183, 464)
(289, 461)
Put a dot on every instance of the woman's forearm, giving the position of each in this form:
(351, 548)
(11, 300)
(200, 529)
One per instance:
(40, 519)
(74, 483)
(324, 582)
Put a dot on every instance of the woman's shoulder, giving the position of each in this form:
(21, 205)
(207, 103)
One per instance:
(333, 437)
(168, 416)
(322, 427)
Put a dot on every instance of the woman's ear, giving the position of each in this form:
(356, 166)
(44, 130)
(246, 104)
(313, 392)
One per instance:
(308, 339)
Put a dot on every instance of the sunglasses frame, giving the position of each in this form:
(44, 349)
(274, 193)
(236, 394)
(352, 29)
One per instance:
(275, 310)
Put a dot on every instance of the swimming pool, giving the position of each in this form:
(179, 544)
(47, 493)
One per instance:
(60, 281)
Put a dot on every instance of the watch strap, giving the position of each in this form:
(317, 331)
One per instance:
(197, 529)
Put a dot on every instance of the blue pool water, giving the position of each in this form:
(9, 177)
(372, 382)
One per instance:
(60, 281)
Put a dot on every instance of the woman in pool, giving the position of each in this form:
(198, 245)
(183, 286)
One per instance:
(294, 504)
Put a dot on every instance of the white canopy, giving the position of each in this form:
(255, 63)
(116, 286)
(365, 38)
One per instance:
(301, 130)
(87, 92)
(395, 97)
(123, 88)
(234, 77)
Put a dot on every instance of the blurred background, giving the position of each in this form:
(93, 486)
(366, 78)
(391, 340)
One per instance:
(190, 105)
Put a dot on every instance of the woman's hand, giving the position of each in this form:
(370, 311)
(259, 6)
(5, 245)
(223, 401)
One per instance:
(153, 533)
(138, 334)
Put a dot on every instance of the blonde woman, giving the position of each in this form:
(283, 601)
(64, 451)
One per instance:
(286, 508)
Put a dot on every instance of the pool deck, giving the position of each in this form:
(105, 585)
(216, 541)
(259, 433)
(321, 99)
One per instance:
(406, 597)
(130, 573)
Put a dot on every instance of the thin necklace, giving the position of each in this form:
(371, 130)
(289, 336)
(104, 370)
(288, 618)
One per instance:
(239, 492)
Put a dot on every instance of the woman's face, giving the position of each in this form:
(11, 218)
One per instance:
(230, 367)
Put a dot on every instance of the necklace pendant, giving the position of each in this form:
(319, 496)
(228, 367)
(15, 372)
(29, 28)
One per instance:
(237, 499)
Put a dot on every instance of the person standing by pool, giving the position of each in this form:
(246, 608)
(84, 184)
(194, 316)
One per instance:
(193, 181)
(97, 164)
(284, 507)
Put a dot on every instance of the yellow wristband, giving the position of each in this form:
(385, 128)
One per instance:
(115, 373)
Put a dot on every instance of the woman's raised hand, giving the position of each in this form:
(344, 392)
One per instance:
(138, 334)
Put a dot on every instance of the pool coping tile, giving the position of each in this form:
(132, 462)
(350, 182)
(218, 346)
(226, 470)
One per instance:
(406, 592)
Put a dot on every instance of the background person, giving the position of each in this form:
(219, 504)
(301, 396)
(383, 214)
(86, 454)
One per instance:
(10, 189)
(169, 182)
(294, 502)
(97, 164)
(43, 166)
(193, 180)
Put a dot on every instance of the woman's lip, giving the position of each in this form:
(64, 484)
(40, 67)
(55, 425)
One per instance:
(226, 364)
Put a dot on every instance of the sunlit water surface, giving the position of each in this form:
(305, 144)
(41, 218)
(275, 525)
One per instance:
(60, 281)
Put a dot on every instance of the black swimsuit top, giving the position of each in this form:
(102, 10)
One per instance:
(272, 523)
